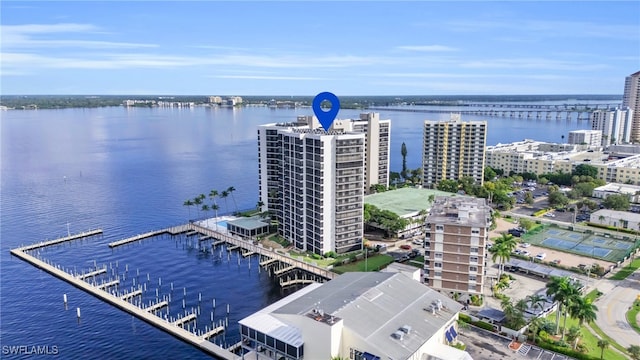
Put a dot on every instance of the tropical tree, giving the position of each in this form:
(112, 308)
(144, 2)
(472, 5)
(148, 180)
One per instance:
(231, 190)
(564, 292)
(259, 205)
(574, 335)
(223, 195)
(403, 152)
(205, 208)
(583, 310)
(197, 201)
(215, 209)
(534, 327)
(536, 301)
(189, 203)
(213, 194)
(502, 249)
(603, 344)
(634, 351)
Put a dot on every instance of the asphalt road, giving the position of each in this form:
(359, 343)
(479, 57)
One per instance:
(612, 306)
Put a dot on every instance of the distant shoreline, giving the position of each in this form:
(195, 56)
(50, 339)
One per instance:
(32, 102)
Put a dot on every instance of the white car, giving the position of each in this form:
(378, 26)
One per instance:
(525, 245)
(541, 256)
(417, 242)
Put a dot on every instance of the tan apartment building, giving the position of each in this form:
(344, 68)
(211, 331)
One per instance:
(631, 98)
(453, 149)
(535, 157)
(457, 232)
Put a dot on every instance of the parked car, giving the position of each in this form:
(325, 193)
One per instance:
(541, 256)
(525, 245)
(405, 247)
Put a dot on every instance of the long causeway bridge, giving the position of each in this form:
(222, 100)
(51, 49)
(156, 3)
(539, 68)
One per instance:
(516, 111)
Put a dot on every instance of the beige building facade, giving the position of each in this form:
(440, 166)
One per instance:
(457, 232)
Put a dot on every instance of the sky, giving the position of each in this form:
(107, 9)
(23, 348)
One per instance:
(304, 47)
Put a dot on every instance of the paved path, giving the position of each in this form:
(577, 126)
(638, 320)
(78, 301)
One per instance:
(617, 299)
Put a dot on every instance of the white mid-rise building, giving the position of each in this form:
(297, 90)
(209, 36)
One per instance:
(453, 149)
(591, 138)
(615, 125)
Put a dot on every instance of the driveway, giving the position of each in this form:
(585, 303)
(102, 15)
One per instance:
(612, 306)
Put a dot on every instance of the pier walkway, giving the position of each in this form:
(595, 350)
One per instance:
(60, 240)
(258, 249)
(180, 333)
(172, 230)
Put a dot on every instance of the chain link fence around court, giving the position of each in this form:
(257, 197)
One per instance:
(585, 242)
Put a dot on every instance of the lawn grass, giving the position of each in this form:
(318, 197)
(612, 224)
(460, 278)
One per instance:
(632, 316)
(627, 270)
(373, 263)
(590, 340)
(601, 333)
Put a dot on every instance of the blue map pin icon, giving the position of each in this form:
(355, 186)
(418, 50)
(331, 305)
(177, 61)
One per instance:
(326, 117)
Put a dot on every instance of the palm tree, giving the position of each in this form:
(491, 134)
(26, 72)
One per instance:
(502, 249)
(536, 301)
(205, 208)
(224, 196)
(634, 351)
(582, 309)
(212, 195)
(259, 205)
(534, 326)
(188, 203)
(603, 344)
(565, 293)
(230, 190)
(197, 201)
(521, 305)
(215, 208)
(574, 335)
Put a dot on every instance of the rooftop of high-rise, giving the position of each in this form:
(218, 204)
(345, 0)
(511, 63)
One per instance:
(460, 210)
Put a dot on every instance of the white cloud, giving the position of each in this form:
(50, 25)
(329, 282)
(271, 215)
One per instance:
(264, 77)
(26, 37)
(426, 48)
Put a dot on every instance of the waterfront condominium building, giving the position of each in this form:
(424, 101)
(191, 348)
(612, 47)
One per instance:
(631, 99)
(591, 138)
(615, 124)
(312, 181)
(378, 135)
(453, 149)
(456, 236)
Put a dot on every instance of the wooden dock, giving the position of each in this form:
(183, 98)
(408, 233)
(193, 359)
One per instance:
(178, 332)
(93, 273)
(61, 240)
(156, 306)
(184, 319)
(136, 238)
(258, 249)
(213, 332)
(283, 270)
(130, 295)
(175, 230)
(108, 284)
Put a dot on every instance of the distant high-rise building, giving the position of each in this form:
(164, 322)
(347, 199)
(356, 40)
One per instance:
(453, 149)
(378, 142)
(615, 125)
(455, 244)
(313, 181)
(587, 137)
(631, 99)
